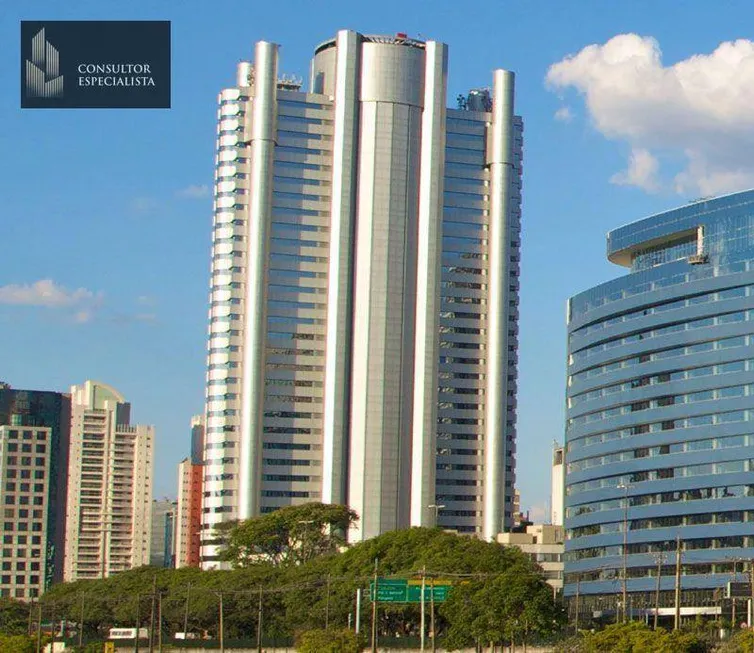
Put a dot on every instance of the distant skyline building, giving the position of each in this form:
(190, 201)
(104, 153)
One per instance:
(660, 411)
(197, 439)
(34, 436)
(162, 542)
(190, 496)
(189, 514)
(109, 485)
(364, 296)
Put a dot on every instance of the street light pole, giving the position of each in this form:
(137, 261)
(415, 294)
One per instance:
(437, 508)
(625, 488)
(186, 613)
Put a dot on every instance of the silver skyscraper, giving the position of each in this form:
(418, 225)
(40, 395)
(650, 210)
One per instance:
(364, 293)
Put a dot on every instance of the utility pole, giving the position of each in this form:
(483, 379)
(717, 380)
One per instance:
(259, 623)
(677, 623)
(222, 627)
(421, 600)
(751, 581)
(578, 597)
(52, 623)
(733, 614)
(432, 613)
(152, 614)
(159, 622)
(81, 623)
(39, 626)
(657, 588)
(374, 609)
(138, 623)
(625, 487)
(186, 613)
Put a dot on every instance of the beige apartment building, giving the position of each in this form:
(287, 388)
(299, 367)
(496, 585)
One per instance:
(544, 544)
(108, 525)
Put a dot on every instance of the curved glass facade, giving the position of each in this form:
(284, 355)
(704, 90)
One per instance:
(660, 411)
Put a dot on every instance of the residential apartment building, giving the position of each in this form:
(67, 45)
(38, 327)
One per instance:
(660, 410)
(364, 292)
(189, 514)
(190, 494)
(34, 435)
(109, 524)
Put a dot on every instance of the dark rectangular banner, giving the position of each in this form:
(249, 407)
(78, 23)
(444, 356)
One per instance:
(78, 64)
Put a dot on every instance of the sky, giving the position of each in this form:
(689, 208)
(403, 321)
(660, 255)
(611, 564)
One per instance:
(630, 108)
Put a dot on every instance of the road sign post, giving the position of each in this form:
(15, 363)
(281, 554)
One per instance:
(391, 590)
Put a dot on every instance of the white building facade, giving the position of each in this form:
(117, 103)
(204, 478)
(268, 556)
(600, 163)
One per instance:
(364, 292)
(557, 492)
(108, 522)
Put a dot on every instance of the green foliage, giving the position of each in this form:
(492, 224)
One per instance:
(636, 637)
(89, 647)
(498, 592)
(291, 535)
(329, 641)
(741, 642)
(14, 617)
(17, 644)
(513, 606)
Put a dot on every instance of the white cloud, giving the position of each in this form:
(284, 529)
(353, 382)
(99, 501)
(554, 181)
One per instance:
(194, 191)
(45, 293)
(564, 114)
(642, 171)
(697, 110)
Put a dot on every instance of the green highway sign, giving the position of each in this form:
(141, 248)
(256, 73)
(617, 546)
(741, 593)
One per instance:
(391, 590)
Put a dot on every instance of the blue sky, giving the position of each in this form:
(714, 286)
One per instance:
(104, 206)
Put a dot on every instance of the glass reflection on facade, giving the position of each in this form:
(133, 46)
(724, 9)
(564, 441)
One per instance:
(660, 412)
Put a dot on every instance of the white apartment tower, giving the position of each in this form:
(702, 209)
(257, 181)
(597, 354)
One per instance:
(364, 292)
(108, 522)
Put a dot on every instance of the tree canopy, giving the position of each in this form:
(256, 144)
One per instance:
(291, 535)
(297, 563)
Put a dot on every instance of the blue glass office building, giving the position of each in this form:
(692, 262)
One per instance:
(660, 412)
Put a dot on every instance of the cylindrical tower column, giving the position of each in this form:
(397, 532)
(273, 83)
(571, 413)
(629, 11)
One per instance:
(392, 95)
(262, 149)
(340, 273)
(428, 273)
(500, 161)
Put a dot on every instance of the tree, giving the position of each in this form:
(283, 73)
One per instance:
(14, 617)
(288, 536)
(17, 644)
(512, 606)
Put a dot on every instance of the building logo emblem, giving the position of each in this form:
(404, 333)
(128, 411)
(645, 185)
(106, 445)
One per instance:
(43, 78)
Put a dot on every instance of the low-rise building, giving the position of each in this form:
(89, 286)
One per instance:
(544, 544)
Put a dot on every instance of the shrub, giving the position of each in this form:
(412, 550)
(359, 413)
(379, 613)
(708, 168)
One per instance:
(329, 641)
